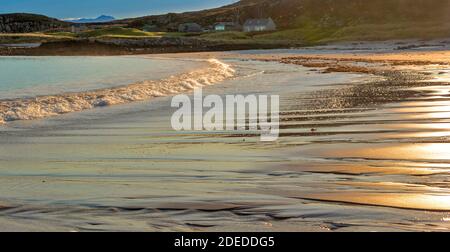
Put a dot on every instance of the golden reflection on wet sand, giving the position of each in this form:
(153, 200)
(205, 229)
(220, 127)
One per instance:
(429, 152)
(396, 156)
(429, 202)
(372, 145)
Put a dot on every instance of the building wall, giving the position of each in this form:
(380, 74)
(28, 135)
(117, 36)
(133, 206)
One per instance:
(220, 28)
(259, 28)
(189, 28)
(270, 26)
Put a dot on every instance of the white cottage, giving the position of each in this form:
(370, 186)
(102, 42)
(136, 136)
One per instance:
(259, 25)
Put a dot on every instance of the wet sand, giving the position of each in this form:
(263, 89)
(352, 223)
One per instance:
(377, 159)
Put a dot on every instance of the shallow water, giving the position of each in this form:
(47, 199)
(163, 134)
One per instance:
(33, 76)
(42, 106)
(372, 165)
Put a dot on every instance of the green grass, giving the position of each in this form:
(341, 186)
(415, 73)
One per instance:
(374, 32)
(61, 34)
(306, 33)
(228, 35)
(312, 35)
(242, 38)
(113, 32)
(292, 36)
(119, 32)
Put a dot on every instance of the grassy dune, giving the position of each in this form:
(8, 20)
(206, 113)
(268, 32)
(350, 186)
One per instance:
(119, 32)
(362, 32)
(113, 32)
(391, 31)
(305, 35)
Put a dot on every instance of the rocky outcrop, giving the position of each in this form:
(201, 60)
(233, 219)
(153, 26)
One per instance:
(156, 42)
(21, 23)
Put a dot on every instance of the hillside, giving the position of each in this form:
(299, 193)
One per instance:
(323, 20)
(292, 13)
(23, 23)
(300, 22)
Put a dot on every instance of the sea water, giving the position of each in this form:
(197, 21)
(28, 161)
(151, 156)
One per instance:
(33, 76)
(58, 86)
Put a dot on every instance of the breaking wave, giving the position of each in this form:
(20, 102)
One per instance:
(52, 105)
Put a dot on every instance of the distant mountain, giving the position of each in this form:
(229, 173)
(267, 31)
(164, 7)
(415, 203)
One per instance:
(100, 19)
(25, 22)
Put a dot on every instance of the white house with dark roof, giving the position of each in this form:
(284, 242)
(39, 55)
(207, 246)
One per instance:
(259, 25)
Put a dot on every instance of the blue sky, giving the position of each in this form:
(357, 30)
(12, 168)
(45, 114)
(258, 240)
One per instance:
(118, 8)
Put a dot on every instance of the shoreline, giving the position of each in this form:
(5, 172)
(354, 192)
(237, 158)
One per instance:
(167, 46)
(376, 137)
(378, 64)
(117, 48)
(58, 104)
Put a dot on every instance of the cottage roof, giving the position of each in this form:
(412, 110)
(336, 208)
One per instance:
(226, 23)
(191, 24)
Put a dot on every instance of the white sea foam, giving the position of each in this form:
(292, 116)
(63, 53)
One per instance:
(45, 106)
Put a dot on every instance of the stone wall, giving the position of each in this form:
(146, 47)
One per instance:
(157, 42)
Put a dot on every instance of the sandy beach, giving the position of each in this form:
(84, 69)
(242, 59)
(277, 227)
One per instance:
(363, 147)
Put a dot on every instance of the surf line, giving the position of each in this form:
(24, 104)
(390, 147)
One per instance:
(53, 105)
(233, 113)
